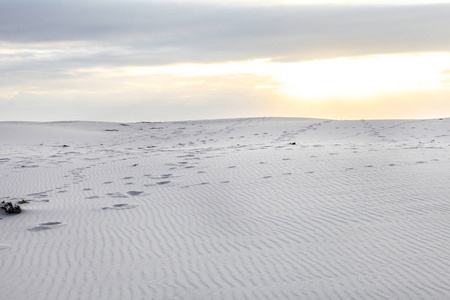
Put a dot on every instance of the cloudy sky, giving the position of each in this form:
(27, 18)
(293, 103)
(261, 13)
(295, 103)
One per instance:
(135, 60)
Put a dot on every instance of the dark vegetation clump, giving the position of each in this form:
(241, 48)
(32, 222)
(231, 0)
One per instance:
(9, 208)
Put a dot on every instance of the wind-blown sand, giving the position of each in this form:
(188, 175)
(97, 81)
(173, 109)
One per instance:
(226, 209)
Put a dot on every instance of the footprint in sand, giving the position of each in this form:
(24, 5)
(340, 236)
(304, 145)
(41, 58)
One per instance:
(40, 194)
(134, 193)
(120, 206)
(32, 200)
(162, 182)
(116, 195)
(46, 226)
(4, 246)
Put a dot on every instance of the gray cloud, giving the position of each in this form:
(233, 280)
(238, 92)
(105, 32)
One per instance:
(155, 33)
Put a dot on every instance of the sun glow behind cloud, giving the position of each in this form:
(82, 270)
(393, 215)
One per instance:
(366, 76)
(360, 87)
(341, 77)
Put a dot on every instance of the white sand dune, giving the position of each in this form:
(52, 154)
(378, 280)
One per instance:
(226, 209)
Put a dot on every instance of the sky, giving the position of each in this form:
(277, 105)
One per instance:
(145, 60)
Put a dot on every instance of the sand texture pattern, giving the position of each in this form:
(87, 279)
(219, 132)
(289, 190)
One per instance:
(262, 208)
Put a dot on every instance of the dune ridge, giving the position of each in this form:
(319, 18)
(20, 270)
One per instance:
(260, 208)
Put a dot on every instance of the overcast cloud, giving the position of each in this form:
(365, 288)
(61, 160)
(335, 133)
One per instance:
(154, 33)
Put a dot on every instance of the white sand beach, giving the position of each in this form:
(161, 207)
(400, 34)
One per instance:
(261, 208)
